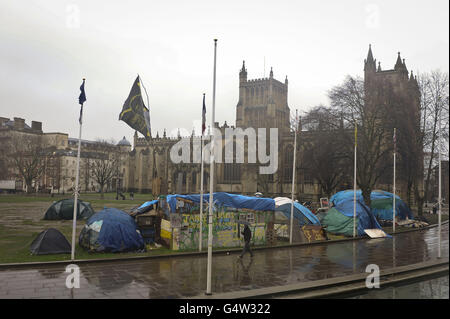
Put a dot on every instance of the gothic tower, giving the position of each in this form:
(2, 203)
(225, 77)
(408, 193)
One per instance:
(262, 103)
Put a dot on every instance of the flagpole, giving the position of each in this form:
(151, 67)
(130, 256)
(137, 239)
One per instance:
(440, 187)
(200, 240)
(354, 185)
(293, 179)
(211, 179)
(201, 197)
(393, 200)
(75, 204)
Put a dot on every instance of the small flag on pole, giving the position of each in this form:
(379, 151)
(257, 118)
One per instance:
(134, 112)
(82, 99)
(203, 115)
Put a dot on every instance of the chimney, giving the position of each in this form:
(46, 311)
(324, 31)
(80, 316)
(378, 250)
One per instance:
(36, 126)
(19, 124)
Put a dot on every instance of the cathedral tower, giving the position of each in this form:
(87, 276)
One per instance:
(262, 103)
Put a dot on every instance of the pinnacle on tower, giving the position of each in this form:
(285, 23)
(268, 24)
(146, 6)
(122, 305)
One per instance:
(399, 63)
(243, 73)
(370, 63)
(379, 66)
(286, 80)
(369, 54)
(271, 72)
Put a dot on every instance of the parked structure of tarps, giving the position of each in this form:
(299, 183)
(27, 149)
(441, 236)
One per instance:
(381, 203)
(111, 230)
(339, 219)
(63, 209)
(301, 213)
(222, 199)
(50, 241)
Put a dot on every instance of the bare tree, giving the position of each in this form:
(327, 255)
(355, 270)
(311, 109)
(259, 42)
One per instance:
(348, 100)
(325, 154)
(434, 89)
(103, 168)
(27, 156)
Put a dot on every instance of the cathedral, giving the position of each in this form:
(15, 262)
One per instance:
(262, 103)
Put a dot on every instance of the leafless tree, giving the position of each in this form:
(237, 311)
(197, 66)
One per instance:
(348, 100)
(27, 155)
(325, 154)
(103, 168)
(434, 88)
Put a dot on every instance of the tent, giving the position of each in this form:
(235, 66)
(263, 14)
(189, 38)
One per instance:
(111, 230)
(63, 209)
(381, 203)
(302, 214)
(222, 199)
(50, 241)
(339, 219)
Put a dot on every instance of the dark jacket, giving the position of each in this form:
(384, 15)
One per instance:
(247, 233)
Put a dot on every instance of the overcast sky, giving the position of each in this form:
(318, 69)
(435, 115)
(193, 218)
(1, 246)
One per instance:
(47, 47)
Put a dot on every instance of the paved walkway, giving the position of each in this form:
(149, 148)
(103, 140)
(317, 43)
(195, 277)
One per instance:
(184, 277)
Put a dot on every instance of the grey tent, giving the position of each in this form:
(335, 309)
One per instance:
(63, 209)
(50, 241)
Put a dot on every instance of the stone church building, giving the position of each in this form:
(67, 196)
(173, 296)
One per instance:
(262, 103)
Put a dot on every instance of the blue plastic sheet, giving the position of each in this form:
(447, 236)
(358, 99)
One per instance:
(222, 199)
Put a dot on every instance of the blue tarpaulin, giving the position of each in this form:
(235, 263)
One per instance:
(222, 199)
(381, 203)
(146, 204)
(111, 230)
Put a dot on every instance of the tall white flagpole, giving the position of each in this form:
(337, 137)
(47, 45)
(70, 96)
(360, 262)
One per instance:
(211, 179)
(440, 189)
(354, 185)
(75, 203)
(201, 197)
(393, 186)
(293, 178)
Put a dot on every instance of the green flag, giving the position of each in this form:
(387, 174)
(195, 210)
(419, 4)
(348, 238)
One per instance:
(134, 112)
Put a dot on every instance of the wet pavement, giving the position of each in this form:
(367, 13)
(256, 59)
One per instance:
(184, 277)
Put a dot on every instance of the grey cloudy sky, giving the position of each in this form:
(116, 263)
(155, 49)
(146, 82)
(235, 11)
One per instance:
(47, 47)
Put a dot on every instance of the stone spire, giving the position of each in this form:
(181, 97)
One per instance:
(370, 55)
(399, 63)
(370, 62)
(271, 72)
(243, 73)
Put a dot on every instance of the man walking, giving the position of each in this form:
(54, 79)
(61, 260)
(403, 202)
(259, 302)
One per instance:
(247, 236)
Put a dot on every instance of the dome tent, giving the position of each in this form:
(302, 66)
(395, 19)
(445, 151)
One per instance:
(50, 241)
(339, 219)
(63, 209)
(111, 230)
(381, 203)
